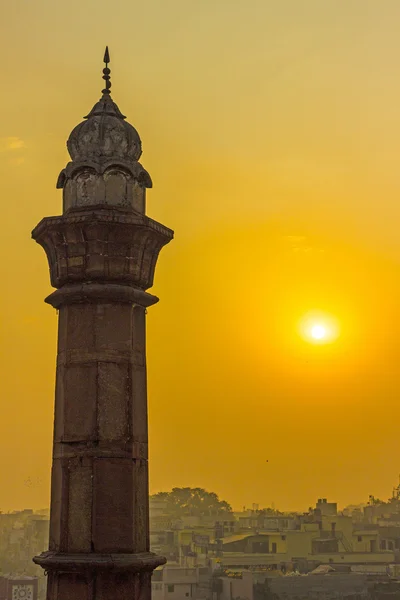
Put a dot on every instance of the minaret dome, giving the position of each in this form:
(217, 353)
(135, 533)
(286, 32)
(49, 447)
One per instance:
(105, 150)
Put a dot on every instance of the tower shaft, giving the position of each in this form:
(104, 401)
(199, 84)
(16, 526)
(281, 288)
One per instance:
(102, 254)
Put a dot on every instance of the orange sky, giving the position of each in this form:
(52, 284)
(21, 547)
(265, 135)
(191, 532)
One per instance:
(272, 133)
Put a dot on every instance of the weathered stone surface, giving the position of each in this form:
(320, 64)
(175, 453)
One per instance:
(143, 562)
(113, 518)
(59, 490)
(67, 587)
(113, 326)
(106, 245)
(105, 134)
(102, 254)
(80, 500)
(80, 401)
(89, 293)
(105, 150)
(113, 401)
(79, 324)
(100, 471)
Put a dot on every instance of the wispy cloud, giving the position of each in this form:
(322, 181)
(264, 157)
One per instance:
(300, 243)
(296, 239)
(12, 143)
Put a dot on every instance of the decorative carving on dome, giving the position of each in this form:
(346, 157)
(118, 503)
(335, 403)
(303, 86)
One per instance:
(102, 137)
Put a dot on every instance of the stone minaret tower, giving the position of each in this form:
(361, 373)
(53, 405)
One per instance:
(102, 253)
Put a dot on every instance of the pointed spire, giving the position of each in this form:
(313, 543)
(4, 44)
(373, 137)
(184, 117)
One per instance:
(105, 106)
(106, 72)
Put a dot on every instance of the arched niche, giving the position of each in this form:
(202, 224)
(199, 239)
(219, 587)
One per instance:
(116, 187)
(86, 187)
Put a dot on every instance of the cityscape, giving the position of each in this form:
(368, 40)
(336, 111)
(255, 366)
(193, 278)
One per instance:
(216, 553)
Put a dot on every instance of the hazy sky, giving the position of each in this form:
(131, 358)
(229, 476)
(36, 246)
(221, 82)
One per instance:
(271, 129)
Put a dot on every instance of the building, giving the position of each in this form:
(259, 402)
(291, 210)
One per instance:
(22, 535)
(269, 540)
(332, 585)
(325, 508)
(235, 586)
(102, 253)
(180, 583)
(18, 588)
(264, 554)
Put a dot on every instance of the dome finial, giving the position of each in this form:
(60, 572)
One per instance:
(106, 73)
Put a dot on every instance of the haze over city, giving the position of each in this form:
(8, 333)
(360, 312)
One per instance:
(272, 134)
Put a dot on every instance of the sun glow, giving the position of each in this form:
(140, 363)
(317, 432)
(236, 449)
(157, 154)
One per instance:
(318, 332)
(319, 328)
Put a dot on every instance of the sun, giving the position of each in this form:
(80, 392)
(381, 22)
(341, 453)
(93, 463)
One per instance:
(318, 328)
(318, 331)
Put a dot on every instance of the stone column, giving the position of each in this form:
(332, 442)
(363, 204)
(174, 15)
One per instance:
(101, 262)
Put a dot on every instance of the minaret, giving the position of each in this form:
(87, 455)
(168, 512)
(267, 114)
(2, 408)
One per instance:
(102, 254)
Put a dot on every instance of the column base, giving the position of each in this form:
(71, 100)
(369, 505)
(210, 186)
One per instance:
(72, 563)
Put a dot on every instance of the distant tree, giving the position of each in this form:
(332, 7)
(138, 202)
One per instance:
(374, 501)
(193, 502)
(268, 512)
